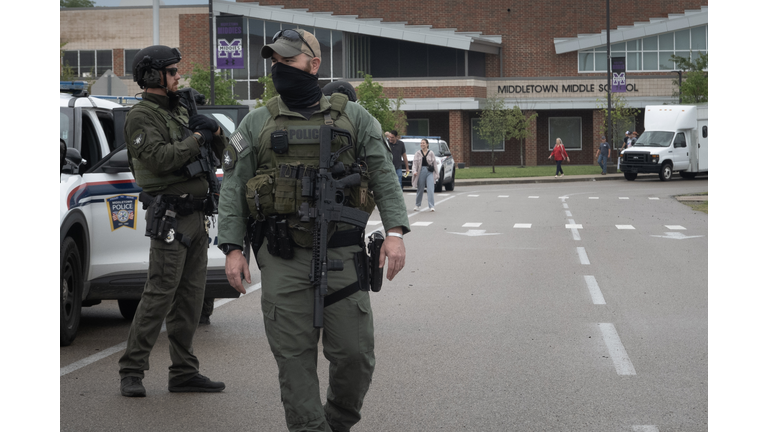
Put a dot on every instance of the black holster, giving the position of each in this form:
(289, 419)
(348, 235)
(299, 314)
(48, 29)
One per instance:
(278, 238)
(161, 217)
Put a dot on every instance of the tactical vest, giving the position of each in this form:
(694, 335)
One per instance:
(278, 181)
(145, 178)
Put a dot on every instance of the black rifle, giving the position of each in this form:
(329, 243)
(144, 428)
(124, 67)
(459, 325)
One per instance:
(328, 198)
(206, 161)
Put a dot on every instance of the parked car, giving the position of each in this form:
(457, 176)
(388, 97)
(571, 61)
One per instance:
(446, 168)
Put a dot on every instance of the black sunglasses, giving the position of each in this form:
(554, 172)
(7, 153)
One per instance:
(172, 71)
(293, 36)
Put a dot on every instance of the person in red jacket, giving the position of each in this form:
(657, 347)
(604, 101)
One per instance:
(560, 155)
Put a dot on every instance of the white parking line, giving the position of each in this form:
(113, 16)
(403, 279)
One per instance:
(522, 225)
(627, 227)
(624, 198)
(653, 198)
(594, 197)
(573, 226)
(619, 355)
(503, 196)
(533, 197)
(122, 345)
(582, 255)
(471, 224)
(473, 195)
(594, 290)
(421, 224)
(675, 227)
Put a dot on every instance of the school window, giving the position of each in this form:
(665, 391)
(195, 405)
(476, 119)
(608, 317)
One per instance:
(653, 53)
(88, 63)
(481, 145)
(568, 129)
(260, 33)
(128, 61)
(418, 127)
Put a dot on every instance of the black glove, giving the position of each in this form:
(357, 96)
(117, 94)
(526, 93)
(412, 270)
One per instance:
(198, 122)
(207, 135)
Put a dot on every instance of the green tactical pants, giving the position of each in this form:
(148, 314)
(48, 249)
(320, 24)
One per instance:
(287, 304)
(174, 292)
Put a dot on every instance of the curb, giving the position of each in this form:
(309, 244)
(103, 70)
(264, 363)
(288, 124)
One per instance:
(525, 180)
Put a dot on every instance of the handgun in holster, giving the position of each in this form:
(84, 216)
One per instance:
(375, 241)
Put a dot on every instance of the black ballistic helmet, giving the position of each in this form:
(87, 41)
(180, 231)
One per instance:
(148, 63)
(342, 87)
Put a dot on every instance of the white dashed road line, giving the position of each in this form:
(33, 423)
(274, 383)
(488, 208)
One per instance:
(582, 255)
(471, 224)
(594, 290)
(522, 225)
(625, 227)
(675, 227)
(618, 354)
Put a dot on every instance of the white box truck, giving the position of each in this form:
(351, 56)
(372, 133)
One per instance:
(675, 140)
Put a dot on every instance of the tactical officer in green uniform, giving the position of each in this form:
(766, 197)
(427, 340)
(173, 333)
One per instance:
(165, 161)
(273, 152)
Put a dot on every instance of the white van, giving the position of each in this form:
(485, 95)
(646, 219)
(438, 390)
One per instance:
(675, 140)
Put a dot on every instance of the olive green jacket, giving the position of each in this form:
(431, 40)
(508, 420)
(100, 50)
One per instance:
(158, 151)
(233, 208)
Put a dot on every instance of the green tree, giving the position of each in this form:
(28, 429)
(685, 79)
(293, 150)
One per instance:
(371, 96)
(622, 117)
(76, 3)
(695, 81)
(269, 90)
(400, 118)
(520, 125)
(200, 80)
(65, 70)
(495, 126)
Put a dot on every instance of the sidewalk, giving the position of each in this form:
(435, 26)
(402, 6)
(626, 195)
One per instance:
(546, 179)
(573, 178)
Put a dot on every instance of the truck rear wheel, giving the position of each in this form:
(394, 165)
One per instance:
(630, 176)
(666, 172)
(688, 175)
(71, 290)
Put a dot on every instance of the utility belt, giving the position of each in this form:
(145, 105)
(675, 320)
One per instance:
(280, 244)
(161, 215)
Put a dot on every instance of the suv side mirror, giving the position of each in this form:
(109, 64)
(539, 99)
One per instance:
(118, 163)
(71, 157)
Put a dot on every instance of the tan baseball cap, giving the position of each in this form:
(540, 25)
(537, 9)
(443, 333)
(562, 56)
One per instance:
(292, 42)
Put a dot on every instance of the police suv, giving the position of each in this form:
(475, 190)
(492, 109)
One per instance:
(104, 253)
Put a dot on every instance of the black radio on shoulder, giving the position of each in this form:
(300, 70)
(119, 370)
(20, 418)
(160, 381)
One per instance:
(279, 140)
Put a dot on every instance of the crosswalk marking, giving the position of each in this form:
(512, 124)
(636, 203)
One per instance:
(675, 227)
(594, 197)
(471, 224)
(625, 227)
(421, 224)
(533, 197)
(653, 198)
(522, 225)
(503, 196)
(624, 198)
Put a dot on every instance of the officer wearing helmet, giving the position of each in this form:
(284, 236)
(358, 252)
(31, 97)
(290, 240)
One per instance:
(164, 147)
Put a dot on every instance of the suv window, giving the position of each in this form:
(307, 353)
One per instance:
(108, 126)
(89, 148)
(67, 126)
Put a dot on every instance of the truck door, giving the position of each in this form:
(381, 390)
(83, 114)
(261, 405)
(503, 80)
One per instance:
(680, 152)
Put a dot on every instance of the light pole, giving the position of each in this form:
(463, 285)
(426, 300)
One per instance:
(609, 129)
(213, 57)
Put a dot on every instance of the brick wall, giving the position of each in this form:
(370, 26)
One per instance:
(527, 27)
(194, 35)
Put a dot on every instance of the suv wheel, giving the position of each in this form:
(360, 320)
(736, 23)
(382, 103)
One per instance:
(71, 291)
(452, 184)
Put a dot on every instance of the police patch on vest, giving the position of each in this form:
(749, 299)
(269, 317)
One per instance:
(122, 211)
(229, 157)
(303, 134)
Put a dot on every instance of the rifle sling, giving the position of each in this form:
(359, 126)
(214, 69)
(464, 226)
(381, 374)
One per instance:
(341, 294)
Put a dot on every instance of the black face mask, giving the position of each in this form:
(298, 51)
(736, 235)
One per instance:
(298, 89)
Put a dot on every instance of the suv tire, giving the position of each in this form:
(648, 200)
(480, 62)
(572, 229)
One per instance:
(449, 186)
(71, 290)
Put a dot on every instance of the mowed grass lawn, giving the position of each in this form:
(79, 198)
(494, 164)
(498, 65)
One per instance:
(533, 171)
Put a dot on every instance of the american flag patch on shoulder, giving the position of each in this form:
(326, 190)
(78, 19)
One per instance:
(238, 142)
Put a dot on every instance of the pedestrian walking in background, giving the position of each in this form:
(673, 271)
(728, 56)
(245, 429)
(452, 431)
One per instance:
(560, 155)
(424, 167)
(603, 154)
(399, 156)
